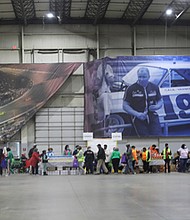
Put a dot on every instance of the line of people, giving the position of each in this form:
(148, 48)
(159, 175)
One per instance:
(104, 161)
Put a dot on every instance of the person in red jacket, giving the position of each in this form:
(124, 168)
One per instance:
(34, 160)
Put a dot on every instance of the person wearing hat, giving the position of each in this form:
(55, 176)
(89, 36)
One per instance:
(89, 160)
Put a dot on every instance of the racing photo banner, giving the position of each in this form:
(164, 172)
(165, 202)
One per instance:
(24, 89)
(140, 96)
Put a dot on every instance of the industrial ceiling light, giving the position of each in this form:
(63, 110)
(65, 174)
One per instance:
(169, 12)
(50, 15)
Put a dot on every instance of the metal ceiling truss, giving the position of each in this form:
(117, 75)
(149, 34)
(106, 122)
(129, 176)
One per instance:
(135, 10)
(24, 10)
(61, 9)
(96, 9)
(179, 7)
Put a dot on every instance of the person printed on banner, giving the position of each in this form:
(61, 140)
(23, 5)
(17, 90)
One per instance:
(44, 162)
(67, 150)
(102, 84)
(142, 100)
(89, 160)
(167, 155)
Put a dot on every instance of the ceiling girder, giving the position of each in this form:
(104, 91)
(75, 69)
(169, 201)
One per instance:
(96, 9)
(24, 10)
(136, 9)
(179, 7)
(60, 8)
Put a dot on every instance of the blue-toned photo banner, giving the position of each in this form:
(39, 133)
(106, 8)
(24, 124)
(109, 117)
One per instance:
(143, 96)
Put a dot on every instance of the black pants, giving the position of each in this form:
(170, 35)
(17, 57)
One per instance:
(145, 166)
(167, 165)
(89, 167)
(115, 163)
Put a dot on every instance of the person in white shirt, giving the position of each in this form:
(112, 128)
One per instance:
(108, 157)
(183, 157)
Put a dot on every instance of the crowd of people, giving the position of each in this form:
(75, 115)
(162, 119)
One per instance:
(104, 160)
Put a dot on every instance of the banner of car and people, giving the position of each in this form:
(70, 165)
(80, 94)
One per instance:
(140, 96)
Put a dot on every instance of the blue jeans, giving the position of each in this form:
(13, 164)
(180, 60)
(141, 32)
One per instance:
(182, 164)
(129, 167)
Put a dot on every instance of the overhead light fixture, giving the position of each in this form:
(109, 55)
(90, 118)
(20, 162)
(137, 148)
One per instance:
(50, 15)
(169, 12)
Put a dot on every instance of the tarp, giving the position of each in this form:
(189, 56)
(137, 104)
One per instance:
(24, 89)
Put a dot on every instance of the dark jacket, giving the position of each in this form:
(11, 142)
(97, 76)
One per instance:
(101, 154)
(89, 156)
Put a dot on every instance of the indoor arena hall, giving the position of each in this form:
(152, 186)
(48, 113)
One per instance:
(83, 197)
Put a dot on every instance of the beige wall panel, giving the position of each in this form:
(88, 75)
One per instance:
(80, 57)
(62, 101)
(115, 52)
(8, 41)
(9, 56)
(45, 58)
(72, 41)
(60, 29)
(160, 36)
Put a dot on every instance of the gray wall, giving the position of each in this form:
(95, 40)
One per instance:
(72, 43)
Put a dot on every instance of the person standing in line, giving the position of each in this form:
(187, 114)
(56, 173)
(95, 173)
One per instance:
(167, 155)
(50, 152)
(44, 162)
(10, 158)
(145, 156)
(141, 100)
(34, 160)
(101, 156)
(89, 160)
(107, 160)
(3, 163)
(129, 157)
(31, 169)
(183, 157)
(134, 159)
(115, 158)
(67, 150)
(80, 158)
(31, 151)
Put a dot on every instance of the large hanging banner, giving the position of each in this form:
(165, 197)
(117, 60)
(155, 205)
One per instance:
(142, 96)
(24, 89)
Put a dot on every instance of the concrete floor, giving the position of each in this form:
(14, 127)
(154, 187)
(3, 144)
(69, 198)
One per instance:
(95, 197)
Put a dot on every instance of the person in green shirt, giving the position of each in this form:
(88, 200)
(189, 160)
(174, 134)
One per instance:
(10, 158)
(115, 158)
